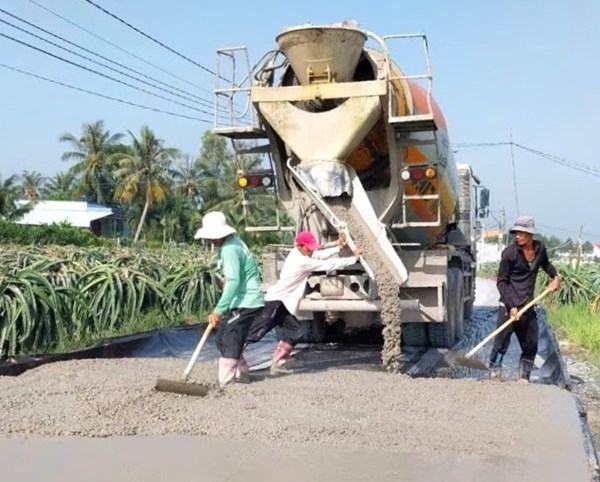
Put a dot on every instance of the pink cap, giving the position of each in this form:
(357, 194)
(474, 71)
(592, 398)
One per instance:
(307, 239)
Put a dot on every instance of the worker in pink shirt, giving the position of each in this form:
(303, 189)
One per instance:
(283, 298)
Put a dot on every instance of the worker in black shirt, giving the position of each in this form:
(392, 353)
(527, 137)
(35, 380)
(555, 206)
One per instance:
(519, 266)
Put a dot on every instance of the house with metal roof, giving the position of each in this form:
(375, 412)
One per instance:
(101, 220)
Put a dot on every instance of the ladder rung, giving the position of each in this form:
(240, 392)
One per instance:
(241, 132)
(255, 150)
(411, 123)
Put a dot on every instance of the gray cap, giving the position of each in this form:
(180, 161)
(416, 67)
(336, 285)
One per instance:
(525, 224)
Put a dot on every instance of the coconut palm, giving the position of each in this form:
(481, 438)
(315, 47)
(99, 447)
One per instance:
(60, 186)
(187, 175)
(91, 151)
(219, 170)
(212, 164)
(144, 173)
(32, 183)
(9, 195)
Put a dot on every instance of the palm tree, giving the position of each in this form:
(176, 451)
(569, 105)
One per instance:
(9, 195)
(213, 162)
(31, 184)
(219, 172)
(91, 151)
(187, 175)
(60, 186)
(144, 173)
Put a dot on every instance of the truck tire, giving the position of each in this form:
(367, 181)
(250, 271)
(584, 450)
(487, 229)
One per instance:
(444, 334)
(415, 334)
(441, 334)
(468, 308)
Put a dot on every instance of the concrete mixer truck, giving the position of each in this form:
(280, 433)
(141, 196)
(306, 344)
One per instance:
(358, 146)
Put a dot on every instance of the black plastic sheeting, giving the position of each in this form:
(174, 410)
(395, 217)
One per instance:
(178, 342)
(553, 370)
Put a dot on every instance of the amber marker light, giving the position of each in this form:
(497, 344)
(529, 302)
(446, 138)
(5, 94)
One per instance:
(430, 173)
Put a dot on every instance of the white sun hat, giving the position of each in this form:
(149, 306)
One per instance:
(214, 226)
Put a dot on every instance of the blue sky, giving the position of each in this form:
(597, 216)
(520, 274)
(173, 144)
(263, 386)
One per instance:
(529, 67)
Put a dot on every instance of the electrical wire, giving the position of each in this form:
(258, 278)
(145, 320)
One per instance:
(204, 103)
(104, 96)
(101, 74)
(594, 171)
(586, 168)
(112, 44)
(119, 19)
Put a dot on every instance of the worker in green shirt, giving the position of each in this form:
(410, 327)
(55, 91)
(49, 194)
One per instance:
(242, 298)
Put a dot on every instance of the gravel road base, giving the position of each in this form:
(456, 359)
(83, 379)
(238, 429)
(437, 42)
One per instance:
(333, 408)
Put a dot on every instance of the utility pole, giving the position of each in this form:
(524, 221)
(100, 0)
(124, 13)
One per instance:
(502, 227)
(579, 247)
(514, 173)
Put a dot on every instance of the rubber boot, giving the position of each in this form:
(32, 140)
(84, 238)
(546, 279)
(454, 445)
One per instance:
(525, 367)
(281, 354)
(496, 364)
(242, 373)
(227, 370)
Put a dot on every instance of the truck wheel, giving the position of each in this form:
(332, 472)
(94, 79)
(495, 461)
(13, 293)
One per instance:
(468, 308)
(443, 335)
(414, 334)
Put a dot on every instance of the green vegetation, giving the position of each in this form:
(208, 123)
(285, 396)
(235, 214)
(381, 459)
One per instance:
(487, 270)
(574, 312)
(61, 287)
(577, 323)
(164, 192)
(53, 297)
(12, 233)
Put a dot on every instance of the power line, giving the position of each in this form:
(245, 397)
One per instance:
(480, 144)
(112, 44)
(185, 97)
(592, 170)
(152, 38)
(30, 74)
(101, 74)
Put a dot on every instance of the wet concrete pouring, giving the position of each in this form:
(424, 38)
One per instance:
(340, 417)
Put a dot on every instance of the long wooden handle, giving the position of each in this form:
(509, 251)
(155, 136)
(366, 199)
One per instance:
(507, 322)
(190, 365)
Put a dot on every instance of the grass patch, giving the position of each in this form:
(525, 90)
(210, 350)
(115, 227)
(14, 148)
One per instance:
(151, 320)
(578, 324)
(487, 270)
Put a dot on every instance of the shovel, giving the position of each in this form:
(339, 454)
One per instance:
(182, 386)
(468, 361)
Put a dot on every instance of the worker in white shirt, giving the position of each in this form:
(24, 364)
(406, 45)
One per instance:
(283, 298)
